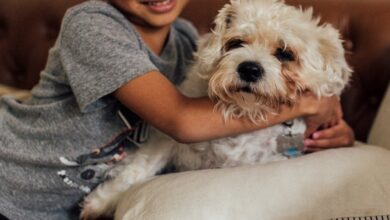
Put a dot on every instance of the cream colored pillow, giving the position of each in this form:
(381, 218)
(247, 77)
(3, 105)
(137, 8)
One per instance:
(380, 131)
(330, 184)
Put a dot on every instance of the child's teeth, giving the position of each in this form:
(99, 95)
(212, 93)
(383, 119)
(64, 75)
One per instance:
(159, 3)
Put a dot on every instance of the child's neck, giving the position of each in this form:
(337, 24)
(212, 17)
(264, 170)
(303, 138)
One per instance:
(154, 38)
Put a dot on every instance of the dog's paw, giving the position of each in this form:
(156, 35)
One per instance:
(94, 207)
(87, 214)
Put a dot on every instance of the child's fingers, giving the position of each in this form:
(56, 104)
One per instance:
(310, 130)
(326, 143)
(326, 133)
(340, 135)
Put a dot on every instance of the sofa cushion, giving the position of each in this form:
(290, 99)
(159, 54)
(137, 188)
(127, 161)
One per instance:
(347, 182)
(379, 134)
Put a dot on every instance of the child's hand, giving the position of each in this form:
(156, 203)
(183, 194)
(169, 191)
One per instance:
(339, 135)
(324, 112)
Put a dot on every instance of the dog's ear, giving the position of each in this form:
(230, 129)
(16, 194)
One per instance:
(324, 68)
(335, 64)
(209, 45)
(207, 53)
(225, 17)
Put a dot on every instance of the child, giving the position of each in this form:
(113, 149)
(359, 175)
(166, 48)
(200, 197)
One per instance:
(56, 146)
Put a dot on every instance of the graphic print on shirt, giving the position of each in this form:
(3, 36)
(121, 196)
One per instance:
(91, 168)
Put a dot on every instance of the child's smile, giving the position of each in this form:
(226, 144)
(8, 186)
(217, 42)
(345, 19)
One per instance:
(151, 13)
(159, 6)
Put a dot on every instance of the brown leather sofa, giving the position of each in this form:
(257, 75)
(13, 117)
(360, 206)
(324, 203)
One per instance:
(28, 28)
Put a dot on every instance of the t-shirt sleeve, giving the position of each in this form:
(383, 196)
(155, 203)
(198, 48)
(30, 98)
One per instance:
(189, 33)
(99, 55)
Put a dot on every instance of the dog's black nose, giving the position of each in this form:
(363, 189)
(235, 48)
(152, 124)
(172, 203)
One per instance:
(250, 71)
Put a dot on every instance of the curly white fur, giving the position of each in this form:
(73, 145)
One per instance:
(296, 54)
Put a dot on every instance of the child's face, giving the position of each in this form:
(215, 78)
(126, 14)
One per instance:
(152, 13)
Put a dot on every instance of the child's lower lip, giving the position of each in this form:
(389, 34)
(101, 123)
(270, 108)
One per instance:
(159, 6)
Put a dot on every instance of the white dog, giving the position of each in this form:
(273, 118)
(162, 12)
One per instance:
(260, 55)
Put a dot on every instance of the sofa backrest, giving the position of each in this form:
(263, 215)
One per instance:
(28, 28)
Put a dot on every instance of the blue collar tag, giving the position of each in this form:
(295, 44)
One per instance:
(290, 145)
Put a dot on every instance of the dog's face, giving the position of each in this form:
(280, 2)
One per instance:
(263, 53)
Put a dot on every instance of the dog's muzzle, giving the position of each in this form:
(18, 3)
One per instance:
(250, 71)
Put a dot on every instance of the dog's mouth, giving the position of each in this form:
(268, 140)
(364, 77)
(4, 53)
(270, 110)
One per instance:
(245, 89)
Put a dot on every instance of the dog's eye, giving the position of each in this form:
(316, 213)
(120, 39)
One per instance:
(233, 44)
(284, 55)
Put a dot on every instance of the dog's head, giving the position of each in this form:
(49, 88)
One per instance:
(263, 53)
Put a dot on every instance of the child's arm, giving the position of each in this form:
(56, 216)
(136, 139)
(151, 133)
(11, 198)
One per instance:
(158, 102)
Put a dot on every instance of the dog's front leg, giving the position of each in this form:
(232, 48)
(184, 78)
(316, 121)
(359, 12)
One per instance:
(147, 161)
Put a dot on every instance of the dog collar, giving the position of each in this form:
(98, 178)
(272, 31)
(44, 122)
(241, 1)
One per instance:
(289, 144)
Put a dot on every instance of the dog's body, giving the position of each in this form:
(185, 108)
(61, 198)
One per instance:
(261, 55)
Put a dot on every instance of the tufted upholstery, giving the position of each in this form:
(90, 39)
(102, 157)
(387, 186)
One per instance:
(29, 27)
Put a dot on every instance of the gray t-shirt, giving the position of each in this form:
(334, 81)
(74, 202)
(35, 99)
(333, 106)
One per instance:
(56, 146)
